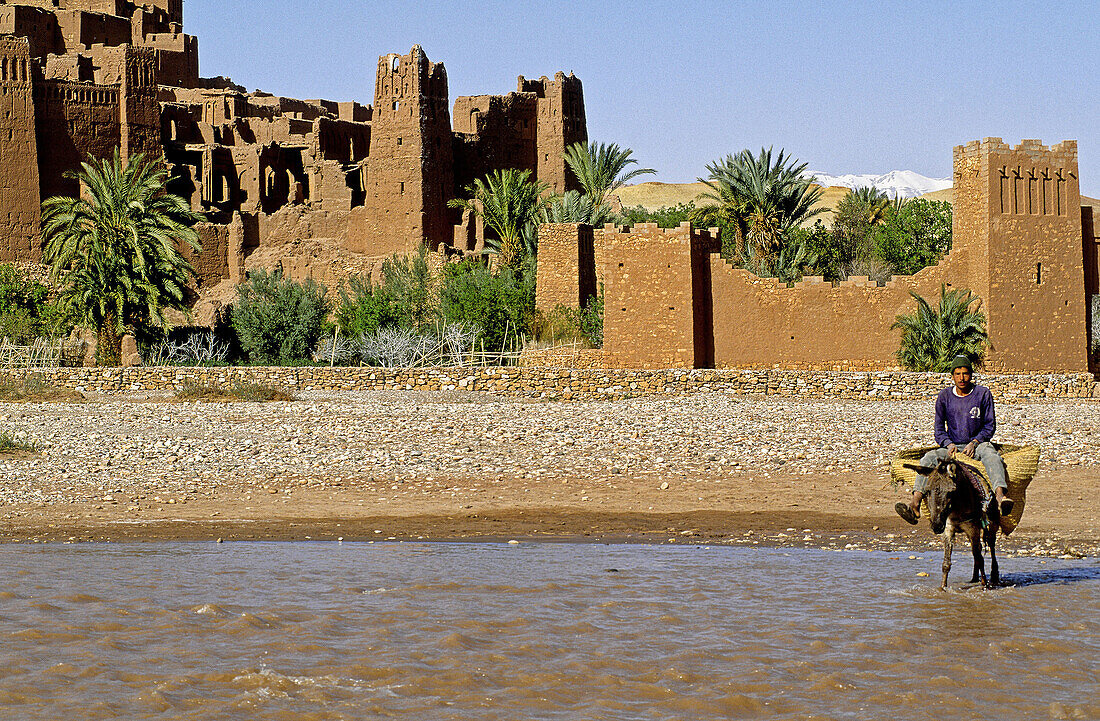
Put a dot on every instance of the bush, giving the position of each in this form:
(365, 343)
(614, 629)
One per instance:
(405, 297)
(26, 312)
(667, 216)
(34, 389)
(277, 320)
(932, 337)
(915, 236)
(502, 305)
(12, 446)
(196, 348)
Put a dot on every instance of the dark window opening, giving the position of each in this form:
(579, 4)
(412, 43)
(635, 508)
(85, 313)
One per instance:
(1038, 274)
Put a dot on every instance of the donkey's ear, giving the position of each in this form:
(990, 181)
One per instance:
(952, 470)
(923, 470)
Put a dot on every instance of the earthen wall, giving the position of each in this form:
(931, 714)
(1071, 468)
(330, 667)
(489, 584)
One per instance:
(656, 300)
(566, 268)
(74, 121)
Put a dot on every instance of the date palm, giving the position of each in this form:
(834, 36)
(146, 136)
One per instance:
(602, 169)
(764, 196)
(932, 337)
(508, 202)
(875, 202)
(114, 252)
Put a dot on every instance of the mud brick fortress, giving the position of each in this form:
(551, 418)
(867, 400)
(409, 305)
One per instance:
(1022, 242)
(320, 189)
(326, 189)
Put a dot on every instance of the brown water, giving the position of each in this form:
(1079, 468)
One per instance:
(536, 631)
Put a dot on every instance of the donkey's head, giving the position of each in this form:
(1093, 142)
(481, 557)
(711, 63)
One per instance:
(942, 487)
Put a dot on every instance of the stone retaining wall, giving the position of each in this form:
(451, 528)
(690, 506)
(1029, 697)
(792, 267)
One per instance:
(569, 384)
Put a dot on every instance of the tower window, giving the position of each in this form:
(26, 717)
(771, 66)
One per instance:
(402, 188)
(1038, 274)
(399, 141)
(395, 65)
(396, 105)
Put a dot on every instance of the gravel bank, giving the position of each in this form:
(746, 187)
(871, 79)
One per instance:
(404, 453)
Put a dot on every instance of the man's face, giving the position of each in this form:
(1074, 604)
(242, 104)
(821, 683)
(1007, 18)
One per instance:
(961, 376)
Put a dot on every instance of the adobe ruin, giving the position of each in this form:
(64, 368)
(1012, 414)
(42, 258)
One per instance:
(1022, 242)
(321, 189)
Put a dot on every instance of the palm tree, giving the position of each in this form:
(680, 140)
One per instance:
(765, 198)
(507, 202)
(573, 207)
(932, 337)
(601, 169)
(876, 202)
(114, 252)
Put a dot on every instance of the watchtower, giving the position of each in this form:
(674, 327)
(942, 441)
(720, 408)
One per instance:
(19, 188)
(560, 122)
(409, 167)
(1018, 214)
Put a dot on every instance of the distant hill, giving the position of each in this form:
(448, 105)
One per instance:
(653, 195)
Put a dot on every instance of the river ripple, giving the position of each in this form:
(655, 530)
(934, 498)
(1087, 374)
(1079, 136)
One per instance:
(541, 631)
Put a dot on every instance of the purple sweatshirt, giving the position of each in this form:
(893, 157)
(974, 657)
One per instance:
(961, 420)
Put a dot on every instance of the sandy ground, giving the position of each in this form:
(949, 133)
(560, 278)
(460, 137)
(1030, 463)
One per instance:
(360, 478)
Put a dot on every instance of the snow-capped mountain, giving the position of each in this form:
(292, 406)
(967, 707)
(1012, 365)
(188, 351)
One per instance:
(904, 183)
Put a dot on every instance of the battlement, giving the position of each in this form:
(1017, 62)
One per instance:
(651, 233)
(990, 146)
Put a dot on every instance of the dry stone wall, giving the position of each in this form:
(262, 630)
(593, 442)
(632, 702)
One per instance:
(571, 384)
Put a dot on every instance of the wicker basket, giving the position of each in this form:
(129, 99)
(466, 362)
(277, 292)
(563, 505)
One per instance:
(1021, 463)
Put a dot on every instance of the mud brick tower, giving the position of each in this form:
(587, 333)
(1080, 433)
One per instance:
(1018, 212)
(19, 201)
(409, 175)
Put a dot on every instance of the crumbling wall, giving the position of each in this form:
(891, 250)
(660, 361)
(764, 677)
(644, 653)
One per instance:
(560, 123)
(20, 215)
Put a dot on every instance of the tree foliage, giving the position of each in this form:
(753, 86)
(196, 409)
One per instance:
(114, 251)
(763, 197)
(932, 336)
(508, 202)
(915, 236)
(278, 320)
(601, 169)
(501, 304)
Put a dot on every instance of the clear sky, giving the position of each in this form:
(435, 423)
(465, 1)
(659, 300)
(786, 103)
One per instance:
(849, 87)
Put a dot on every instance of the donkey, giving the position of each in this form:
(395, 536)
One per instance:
(957, 500)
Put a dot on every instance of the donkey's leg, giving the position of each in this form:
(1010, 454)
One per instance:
(975, 534)
(991, 541)
(948, 545)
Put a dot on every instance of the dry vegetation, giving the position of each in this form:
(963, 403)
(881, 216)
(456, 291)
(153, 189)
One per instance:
(236, 393)
(33, 389)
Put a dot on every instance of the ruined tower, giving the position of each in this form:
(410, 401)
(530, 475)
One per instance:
(139, 111)
(19, 189)
(560, 122)
(409, 167)
(1018, 213)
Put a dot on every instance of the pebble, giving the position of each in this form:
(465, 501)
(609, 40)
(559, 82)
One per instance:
(136, 446)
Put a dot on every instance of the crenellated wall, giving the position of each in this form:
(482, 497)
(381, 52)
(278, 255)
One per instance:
(19, 181)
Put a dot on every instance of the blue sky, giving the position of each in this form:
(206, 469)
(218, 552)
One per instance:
(849, 87)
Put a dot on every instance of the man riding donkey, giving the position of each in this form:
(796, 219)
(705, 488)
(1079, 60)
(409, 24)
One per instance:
(965, 421)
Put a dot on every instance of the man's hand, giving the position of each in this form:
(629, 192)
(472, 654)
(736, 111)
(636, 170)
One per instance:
(952, 448)
(970, 448)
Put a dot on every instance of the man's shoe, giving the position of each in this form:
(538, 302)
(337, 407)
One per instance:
(1007, 504)
(906, 512)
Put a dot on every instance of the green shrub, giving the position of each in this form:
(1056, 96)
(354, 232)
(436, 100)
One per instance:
(26, 311)
(278, 320)
(405, 297)
(502, 304)
(10, 446)
(914, 236)
(667, 216)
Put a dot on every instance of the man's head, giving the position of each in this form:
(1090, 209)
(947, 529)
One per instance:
(961, 372)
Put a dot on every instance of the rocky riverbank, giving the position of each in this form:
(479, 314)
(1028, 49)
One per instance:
(709, 467)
